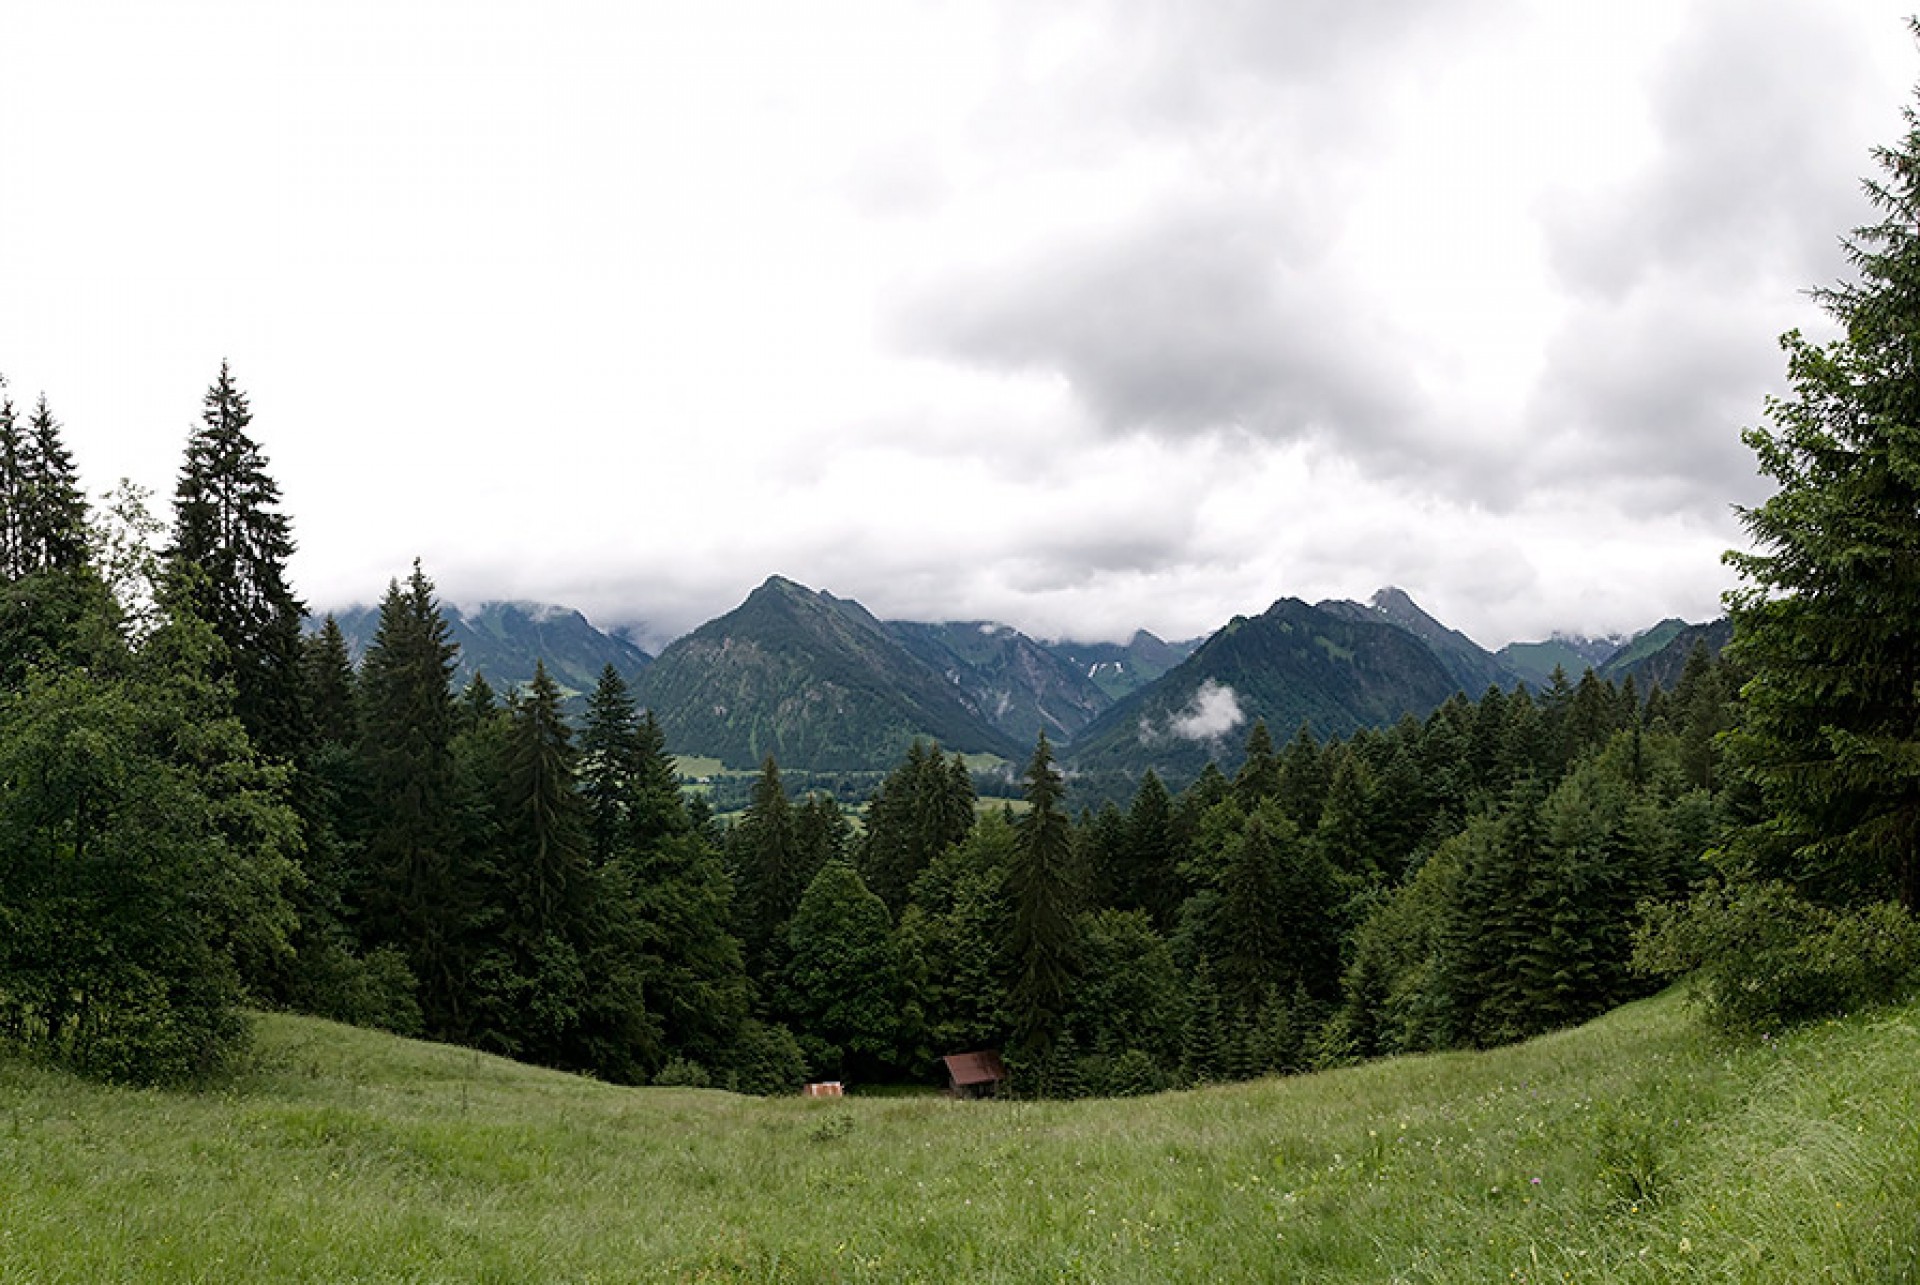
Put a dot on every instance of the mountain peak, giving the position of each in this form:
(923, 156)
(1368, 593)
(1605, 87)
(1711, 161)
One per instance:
(782, 587)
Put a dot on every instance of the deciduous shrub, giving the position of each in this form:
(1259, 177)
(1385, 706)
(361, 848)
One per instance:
(1761, 956)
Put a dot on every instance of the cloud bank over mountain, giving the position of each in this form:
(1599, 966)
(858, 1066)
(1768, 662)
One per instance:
(1083, 317)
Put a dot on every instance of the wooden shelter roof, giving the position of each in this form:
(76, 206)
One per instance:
(975, 1068)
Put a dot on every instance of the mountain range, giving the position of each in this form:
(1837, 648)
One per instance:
(503, 639)
(820, 683)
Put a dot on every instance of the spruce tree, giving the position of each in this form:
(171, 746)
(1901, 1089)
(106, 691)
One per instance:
(544, 820)
(1345, 835)
(610, 754)
(695, 976)
(1149, 877)
(821, 834)
(13, 503)
(760, 852)
(657, 807)
(1247, 937)
(1203, 1039)
(1303, 779)
(1042, 894)
(1259, 774)
(326, 673)
(49, 594)
(923, 806)
(1827, 622)
(416, 893)
(52, 531)
(227, 522)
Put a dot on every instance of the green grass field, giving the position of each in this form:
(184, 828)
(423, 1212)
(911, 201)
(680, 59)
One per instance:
(1634, 1149)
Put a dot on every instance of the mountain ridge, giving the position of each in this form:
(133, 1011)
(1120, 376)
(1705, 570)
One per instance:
(819, 682)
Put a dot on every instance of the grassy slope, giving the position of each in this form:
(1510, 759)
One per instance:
(1632, 1149)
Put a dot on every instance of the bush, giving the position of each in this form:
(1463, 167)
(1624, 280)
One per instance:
(145, 1031)
(1762, 957)
(683, 1073)
(766, 1060)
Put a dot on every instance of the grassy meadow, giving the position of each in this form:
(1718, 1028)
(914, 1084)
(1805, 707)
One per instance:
(1637, 1148)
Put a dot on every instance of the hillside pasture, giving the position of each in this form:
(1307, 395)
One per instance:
(1637, 1148)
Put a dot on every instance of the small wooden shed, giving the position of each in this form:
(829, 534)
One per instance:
(974, 1075)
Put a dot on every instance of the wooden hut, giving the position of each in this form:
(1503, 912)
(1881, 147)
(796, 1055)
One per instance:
(974, 1075)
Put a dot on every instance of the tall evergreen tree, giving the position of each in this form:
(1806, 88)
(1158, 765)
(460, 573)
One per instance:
(1149, 874)
(227, 522)
(49, 594)
(1303, 779)
(13, 501)
(924, 806)
(51, 530)
(760, 852)
(416, 893)
(696, 981)
(326, 672)
(544, 820)
(821, 834)
(658, 809)
(610, 756)
(1041, 890)
(1827, 623)
(1259, 774)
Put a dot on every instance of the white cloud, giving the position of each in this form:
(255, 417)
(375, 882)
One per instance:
(1212, 713)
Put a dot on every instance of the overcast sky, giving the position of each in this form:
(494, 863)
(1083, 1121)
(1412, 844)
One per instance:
(1079, 316)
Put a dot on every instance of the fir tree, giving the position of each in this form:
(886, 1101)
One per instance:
(416, 895)
(544, 820)
(924, 806)
(1345, 835)
(821, 834)
(50, 597)
(610, 756)
(657, 808)
(1203, 1039)
(1149, 875)
(1303, 779)
(1259, 775)
(51, 530)
(327, 681)
(1827, 623)
(228, 523)
(760, 851)
(13, 494)
(1040, 889)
